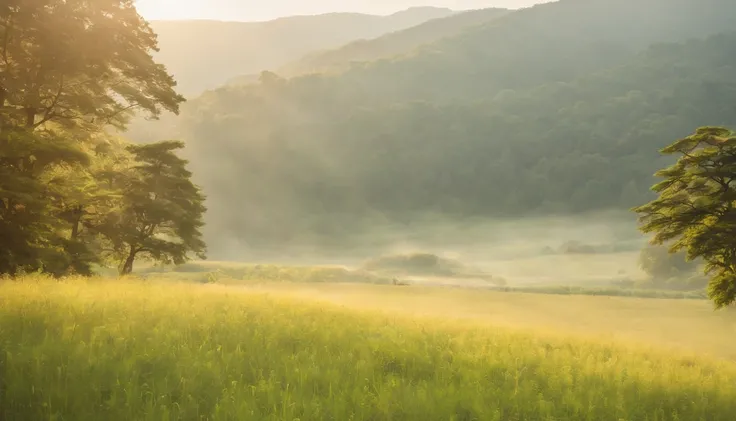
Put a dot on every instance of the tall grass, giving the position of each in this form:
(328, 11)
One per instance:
(131, 351)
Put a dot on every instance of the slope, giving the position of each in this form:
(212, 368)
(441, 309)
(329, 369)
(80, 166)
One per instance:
(386, 46)
(545, 43)
(205, 54)
(283, 170)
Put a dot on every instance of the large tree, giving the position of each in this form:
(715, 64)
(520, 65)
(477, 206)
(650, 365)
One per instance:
(68, 69)
(695, 210)
(161, 210)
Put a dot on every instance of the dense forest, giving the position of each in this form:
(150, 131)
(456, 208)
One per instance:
(548, 110)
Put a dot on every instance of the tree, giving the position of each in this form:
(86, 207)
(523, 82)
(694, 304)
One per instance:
(30, 234)
(695, 208)
(68, 69)
(161, 210)
(82, 195)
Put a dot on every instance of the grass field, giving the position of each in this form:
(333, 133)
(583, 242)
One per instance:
(101, 350)
(681, 326)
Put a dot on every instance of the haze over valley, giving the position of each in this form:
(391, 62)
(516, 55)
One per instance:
(484, 125)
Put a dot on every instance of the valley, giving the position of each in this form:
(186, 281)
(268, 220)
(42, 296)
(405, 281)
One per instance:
(510, 212)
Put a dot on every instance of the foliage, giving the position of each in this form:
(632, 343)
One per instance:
(160, 212)
(695, 207)
(79, 64)
(415, 263)
(427, 265)
(69, 70)
(29, 232)
(130, 351)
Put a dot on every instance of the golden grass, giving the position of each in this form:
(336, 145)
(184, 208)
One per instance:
(146, 351)
(682, 326)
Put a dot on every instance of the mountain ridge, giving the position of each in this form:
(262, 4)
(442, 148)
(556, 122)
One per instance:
(226, 49)
(385, 46)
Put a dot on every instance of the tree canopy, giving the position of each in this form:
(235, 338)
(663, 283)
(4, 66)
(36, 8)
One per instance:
(160, 212)
(68, 70)
(695, 206)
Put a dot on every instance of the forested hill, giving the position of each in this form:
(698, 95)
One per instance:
(545, 43)
(389, 45)
(272, 169)
(316, 158)
(206, 54)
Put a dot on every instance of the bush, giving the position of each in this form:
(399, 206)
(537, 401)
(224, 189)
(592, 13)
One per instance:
(420, 264)
(667, 270)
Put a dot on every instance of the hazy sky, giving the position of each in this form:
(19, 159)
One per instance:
(255, 10)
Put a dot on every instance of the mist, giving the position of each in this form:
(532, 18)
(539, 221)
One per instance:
(508, 166)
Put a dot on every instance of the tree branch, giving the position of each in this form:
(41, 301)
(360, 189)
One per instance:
(6, 41)
(48, 112)
(108, 118)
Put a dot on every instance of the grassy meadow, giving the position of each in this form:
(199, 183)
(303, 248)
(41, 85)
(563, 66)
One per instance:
(125, 350)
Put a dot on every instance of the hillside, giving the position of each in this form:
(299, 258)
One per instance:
(386, 46)
(318, 159)
(546, 43)
(205, 54)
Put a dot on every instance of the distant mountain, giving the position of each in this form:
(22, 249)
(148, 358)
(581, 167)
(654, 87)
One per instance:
(205, 54)
(386, 46)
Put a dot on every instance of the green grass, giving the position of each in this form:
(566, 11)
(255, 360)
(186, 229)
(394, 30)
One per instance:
(133, 351)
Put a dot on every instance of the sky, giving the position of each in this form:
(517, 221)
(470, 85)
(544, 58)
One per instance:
(258, 10)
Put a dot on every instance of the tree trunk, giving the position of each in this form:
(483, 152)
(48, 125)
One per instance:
(77, 214)
(3, 98)
(127, 268)
(75, 230)
(30, 117)
(72, 250)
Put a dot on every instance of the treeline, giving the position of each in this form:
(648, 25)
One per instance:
(304, 160)
(71, 196)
